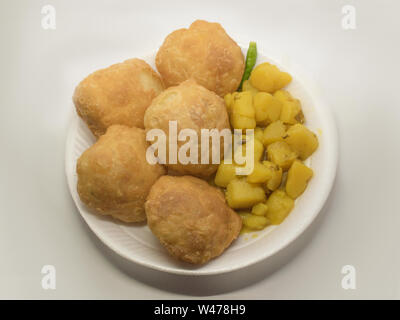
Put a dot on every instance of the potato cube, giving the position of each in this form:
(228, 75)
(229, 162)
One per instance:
(276, 175)
(228, 102)
(281, 154)
(267, 77)
(267, 107)
(274, 132)
(248, 87)
(301, 140)
(243, 214)
(298, 177)
(228, 99)
(242, 122)
(260, 173)
(254, 222)
(258, 150)
(284, 79)
(243, 114)
(239, 151)
(291, 112)
(241, 194)
(243, 104)
(279, 206)
(259, 134)
(226, 173)
(260, 209)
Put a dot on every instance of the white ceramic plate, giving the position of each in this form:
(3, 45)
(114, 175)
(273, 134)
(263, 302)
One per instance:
(137, 243)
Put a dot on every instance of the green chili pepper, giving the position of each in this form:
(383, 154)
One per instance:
(251, 58)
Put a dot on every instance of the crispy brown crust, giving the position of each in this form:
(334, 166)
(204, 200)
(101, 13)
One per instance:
(191, 218)
(114, 177)
(119, 94)
(203, 52)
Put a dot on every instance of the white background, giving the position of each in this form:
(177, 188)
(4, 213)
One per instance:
(356, 70)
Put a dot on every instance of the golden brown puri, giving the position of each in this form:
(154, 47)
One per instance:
(191, 218)
(119, 94)
(204, 52)
(193, 107)
(114, 177)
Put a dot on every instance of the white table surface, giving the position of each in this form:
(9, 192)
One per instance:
(356, 70)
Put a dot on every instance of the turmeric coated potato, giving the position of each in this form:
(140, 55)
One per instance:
(268, 108)
(268, 78)
(276, 175)
(229, 102)
(243, 104)
(203, 52)
(119, 94)
(260, 209)
(192, 107)
(297, 179)
(260, 174)
(191, 218)
(242, 111)
(226, 173)
(291, 112)
(241, 194)
(248, 87)
(279, 206)
(259, 134)
(281, 154)
(258, 150)
(276, 131)
(253, 222)
(301, 140)
(114, 177)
